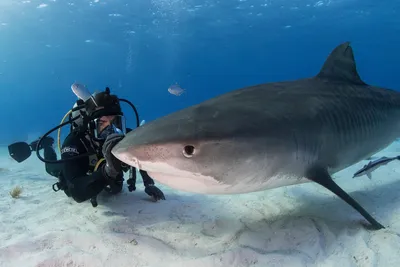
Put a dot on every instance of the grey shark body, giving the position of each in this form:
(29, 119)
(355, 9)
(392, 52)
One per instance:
(270, 135)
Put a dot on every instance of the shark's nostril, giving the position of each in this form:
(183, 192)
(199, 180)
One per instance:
(188, 151)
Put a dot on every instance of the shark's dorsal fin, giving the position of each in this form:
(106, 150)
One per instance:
(341, 66)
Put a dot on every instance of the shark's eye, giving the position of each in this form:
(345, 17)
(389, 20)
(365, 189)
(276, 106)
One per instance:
(188, 151)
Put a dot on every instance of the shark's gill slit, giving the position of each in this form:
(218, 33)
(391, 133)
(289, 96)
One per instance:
(188, 151)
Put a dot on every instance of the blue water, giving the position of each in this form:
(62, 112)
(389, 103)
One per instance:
(140, 48)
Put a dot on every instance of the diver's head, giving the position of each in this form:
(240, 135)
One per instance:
(107, 125)
(105, 114)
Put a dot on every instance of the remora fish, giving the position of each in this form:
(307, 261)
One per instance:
(373, 165)
(270, 135)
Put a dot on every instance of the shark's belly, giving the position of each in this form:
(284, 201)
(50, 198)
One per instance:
(214, 187)
(251, 173)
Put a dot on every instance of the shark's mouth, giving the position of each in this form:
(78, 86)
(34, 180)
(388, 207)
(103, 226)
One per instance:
(189, 183)
(174, 177)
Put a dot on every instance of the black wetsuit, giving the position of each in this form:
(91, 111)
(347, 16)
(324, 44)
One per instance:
(77, 178)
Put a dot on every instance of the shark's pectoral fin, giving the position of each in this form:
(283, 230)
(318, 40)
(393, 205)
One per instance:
(321, 176)
(369, 175)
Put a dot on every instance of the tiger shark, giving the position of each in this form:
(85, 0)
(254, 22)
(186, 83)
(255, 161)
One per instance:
(271, 135)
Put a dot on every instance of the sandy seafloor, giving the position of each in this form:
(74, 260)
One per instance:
(300, 225)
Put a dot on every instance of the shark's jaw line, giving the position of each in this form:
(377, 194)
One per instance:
(178, 179)
(202, 184)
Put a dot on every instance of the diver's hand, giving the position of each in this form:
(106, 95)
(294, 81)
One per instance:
(114, 185)
(125, 167)
(154, 192)
(113, 165)
(46, 142)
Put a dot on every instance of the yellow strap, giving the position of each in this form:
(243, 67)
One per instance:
(98, 164)
(59, 131)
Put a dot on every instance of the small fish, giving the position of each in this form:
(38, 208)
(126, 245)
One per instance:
(373, 165)
(82, 92)
(175, 89)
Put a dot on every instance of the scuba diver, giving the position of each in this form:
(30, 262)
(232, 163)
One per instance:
(87, 165)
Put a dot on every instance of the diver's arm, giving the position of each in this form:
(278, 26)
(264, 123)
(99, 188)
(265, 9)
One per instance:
(146, 178)
(49, 154)
(53, 169)
(150, 188)
(81, 186)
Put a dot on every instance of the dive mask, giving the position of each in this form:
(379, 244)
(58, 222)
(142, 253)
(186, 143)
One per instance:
(106, 125)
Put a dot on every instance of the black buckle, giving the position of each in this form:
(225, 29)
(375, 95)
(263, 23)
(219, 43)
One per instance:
(131, 184)
(131, 180)
(58, 187)
(93, 200)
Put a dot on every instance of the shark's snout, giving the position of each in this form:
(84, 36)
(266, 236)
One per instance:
(126, 155)
(171, 164)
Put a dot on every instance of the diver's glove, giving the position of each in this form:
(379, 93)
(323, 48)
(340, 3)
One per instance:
(114, 185)
(113, 166)
(154, 192)
(46, 142)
